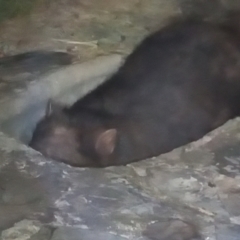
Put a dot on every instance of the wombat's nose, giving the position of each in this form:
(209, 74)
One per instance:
(37, 147)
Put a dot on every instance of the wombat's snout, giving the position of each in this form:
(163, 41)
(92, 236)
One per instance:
(60, 144)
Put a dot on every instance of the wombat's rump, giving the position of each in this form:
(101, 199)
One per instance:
(178, 84)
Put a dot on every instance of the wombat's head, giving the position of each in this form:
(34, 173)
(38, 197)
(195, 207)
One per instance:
(78, 140)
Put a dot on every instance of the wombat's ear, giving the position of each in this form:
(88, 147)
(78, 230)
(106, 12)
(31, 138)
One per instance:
(52, 107)
(106, 142)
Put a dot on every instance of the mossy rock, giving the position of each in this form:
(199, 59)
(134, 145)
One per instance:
(12, 8)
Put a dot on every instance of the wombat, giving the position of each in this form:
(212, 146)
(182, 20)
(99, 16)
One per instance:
(178, 84)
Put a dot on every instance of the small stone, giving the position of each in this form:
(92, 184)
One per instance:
(21, 231)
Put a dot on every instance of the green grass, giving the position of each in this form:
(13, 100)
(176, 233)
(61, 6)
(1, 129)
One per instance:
(13, 8)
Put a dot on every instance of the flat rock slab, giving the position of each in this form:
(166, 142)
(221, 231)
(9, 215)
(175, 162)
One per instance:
(161, 198)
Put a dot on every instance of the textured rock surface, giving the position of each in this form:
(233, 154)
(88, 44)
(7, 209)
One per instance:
(197, 184)
(190, 193)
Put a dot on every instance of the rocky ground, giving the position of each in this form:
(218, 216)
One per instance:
(91, 28)
(189, 193)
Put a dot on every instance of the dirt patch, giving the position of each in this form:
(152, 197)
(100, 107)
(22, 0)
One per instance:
(89, 28)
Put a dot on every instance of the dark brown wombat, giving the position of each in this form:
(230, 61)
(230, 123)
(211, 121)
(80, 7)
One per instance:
(178, 84)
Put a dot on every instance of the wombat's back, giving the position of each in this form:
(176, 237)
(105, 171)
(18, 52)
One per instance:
(199, 57)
